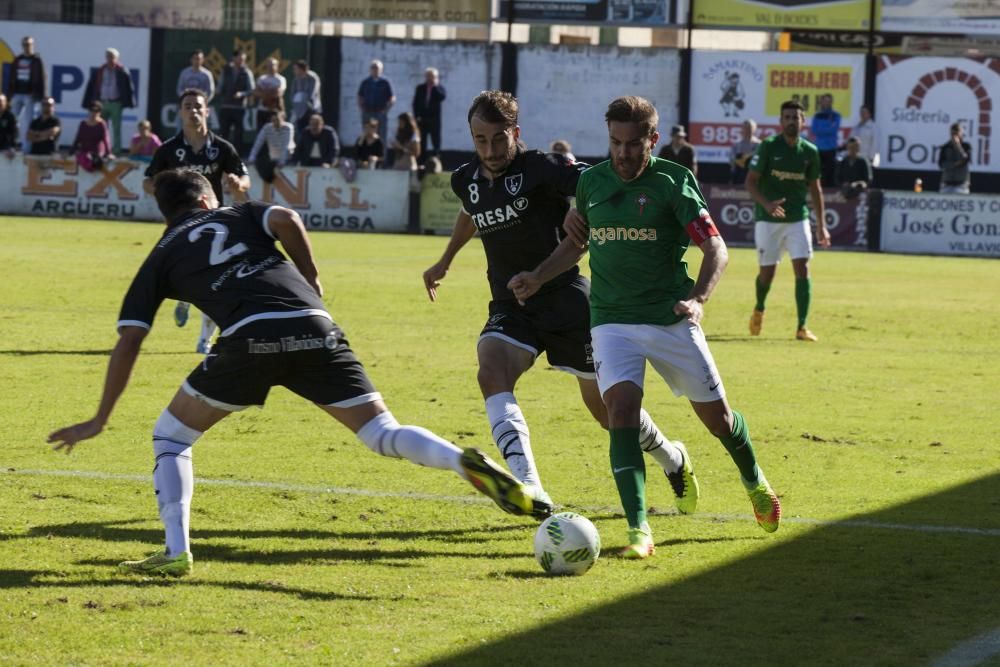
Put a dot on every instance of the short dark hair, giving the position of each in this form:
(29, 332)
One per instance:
(191, 92)
(178, 191)
(793, 104)
(853, 140)
(633, 109)
(495, 106)
(239, 52)
(302, 64)
(955, 127)
(197, 52)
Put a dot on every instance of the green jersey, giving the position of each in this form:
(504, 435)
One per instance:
(785, 171)
(639, 232)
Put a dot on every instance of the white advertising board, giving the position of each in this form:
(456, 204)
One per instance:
(729, 87)
(466, 69)
(951, 16)
(936, 224)
(917, 99)
(68, 53)
(376, 201)
(564, 91)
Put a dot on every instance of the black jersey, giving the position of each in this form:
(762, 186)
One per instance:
(519, 215)
(216, 157)
(225, 262)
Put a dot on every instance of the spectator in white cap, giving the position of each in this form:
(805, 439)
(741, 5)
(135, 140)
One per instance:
(111, 85)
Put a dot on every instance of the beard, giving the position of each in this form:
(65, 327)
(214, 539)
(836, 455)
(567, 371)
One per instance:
(496, 166)
(629, 168)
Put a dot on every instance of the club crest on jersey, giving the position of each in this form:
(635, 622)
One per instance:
(513, 183)
(212, 152)
(642, 200)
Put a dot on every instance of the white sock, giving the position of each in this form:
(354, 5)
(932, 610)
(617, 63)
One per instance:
(510, 432)
(173, 479)
(384, 435)
(654, 443)
(207, 327)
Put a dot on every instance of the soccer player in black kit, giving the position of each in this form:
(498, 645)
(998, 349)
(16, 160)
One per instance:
(516, 199)
(197, 148)
(275, 331)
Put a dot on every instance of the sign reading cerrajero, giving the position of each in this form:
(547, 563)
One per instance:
(402, 11)
(781, 14)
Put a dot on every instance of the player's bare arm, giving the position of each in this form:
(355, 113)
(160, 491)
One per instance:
(773, 208)
(575, 227)
(120, 365)
(526, 283)
(714, 262)
(462, 233)
(287, 226)
(819, 208)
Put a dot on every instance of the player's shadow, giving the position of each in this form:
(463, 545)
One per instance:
(895, 587)
(38, 579)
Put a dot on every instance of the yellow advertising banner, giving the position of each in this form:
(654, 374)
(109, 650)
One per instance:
(805, 83)
(402, 11)
(779, 14)
(439, 206)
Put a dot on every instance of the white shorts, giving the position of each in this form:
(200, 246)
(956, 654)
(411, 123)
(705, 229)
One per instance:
(771, 238)
(679, 353)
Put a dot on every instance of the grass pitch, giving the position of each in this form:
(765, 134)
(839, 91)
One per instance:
(309, 549)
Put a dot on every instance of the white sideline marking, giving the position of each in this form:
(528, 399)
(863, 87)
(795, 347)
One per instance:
(972, 652)
(409, 495)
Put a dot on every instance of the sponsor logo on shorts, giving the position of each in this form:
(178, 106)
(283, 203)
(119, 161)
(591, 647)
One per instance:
(290, 344)
(601, 235)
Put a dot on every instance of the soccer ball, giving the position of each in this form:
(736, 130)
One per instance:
(567, 543)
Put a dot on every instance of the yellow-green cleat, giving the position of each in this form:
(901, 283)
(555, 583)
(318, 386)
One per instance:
(160, 563)
(496, 483)
(684, 483)
(640, 543)
(766, 506)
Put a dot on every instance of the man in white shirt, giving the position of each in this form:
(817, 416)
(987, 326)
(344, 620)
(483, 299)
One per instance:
(270, 92)
(278, 135)
(867, 134)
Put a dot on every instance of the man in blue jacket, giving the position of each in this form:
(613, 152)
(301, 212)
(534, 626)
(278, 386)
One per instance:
(111, 85)
(826, 135)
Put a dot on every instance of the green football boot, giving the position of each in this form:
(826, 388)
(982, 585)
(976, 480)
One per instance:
(160, 563)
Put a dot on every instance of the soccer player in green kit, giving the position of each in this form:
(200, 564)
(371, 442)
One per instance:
(784, 167)
(642, 212)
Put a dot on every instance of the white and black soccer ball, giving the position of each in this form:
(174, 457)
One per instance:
(567, 543)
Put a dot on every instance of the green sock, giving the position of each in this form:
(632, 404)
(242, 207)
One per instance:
(803, 293)
(740, 448)
(629, 470)
(762, 291)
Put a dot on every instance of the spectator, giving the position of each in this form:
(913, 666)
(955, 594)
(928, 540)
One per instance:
(270, 92)
(369, 148)
(954, 158)
(867, 134)
(197, 77)
(375, 97)
(305, 95)
(8, 128)
(825, 129)
(318, 144)
(427, 101)
(26, 86)
(111, 85)
(144, 143)
(679, 150)
(44, 130)
(92, 145)
(742, 151)
(564, 150)
(854, 171)
(279, 136)
(405, 145)
(236, 86)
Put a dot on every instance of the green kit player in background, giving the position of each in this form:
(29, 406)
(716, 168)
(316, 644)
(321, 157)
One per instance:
(642, 212)
(784, 167)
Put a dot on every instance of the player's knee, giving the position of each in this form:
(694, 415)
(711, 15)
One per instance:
(171, 436)
(494, 378)
(624, 403)
(380, 433)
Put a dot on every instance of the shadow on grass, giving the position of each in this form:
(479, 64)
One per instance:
(85, 353)
(843, 594)
(38, 579)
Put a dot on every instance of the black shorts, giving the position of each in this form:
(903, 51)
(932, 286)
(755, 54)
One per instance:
(555, 322)
(308, 355)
